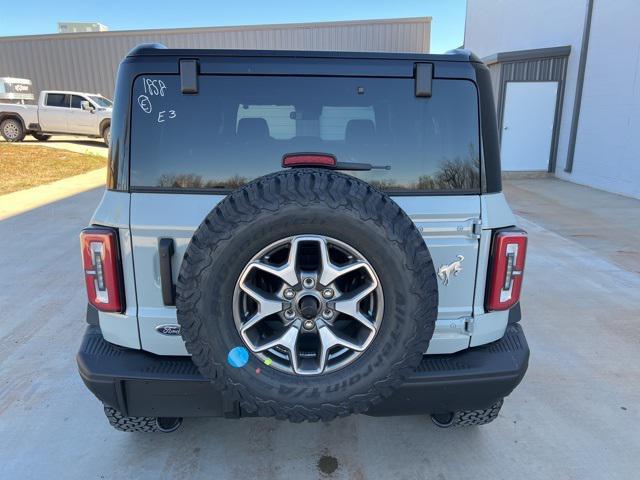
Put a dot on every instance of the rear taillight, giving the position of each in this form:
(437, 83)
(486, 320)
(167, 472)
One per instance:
(101, 264)
(507, 267)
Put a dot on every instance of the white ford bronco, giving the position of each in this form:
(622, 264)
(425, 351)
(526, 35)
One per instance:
(57, 113)
(302, 235)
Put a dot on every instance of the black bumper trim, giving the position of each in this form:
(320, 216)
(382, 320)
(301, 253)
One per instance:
(139, 383)
(515, 314)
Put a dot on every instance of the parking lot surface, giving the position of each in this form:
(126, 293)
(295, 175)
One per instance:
(576, 414)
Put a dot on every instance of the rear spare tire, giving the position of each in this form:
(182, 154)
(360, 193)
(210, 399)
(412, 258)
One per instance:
(307, 295)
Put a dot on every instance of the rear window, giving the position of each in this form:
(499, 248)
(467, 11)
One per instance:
(237, 128)
(58, 100)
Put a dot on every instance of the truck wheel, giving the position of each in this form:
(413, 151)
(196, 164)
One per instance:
(11, 130)
(307, 295)
(106, 136)
(141, 424)
(468, 418)
(41, 137)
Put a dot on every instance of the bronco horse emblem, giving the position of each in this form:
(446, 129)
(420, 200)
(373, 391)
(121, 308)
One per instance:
(446, 271)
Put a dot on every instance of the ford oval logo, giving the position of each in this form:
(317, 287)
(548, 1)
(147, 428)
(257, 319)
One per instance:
(170, 330)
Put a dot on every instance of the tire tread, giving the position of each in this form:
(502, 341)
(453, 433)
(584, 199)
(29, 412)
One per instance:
(338, 191)
(470, 418)
(131, 424)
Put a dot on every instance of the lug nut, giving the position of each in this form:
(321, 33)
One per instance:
(328, 293)
(327, 313)
(309, 324)
(289, 293)
(289, 314)
(308, 282)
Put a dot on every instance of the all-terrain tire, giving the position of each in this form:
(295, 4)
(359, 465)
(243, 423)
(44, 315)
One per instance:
(11, 130)
(300, 202)
(469, 418)
(141, 424)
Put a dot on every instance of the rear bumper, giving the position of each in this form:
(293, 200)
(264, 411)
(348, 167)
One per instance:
(138, 383)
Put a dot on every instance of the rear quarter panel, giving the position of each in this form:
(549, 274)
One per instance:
(28, 113)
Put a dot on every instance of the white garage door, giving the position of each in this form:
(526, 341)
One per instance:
(527, 127)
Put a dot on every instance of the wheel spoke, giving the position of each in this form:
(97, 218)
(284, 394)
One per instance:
(328, 340)
(287, 273)
(331, 272)
(349, 304)
(267, 305)
(287, 340)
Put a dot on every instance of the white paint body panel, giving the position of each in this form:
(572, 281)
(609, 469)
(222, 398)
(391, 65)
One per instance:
(446, 223)
(121, 329)
(528, 125)
(489, 326)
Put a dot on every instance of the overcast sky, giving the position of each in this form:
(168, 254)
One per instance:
(41, 16)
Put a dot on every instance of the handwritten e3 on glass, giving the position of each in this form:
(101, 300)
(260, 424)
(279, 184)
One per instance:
(154, 88)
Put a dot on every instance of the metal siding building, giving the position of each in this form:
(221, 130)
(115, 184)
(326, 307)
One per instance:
(540, 65)
(88, 61)
(589, 49)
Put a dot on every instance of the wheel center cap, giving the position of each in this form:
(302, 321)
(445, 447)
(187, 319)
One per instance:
(309, 306)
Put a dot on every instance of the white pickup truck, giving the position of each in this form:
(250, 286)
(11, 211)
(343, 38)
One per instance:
(58, 113)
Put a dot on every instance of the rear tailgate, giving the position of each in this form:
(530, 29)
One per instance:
(447, 225)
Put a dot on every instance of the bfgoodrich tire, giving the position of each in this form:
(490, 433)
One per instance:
(141, 424)
(359, 224)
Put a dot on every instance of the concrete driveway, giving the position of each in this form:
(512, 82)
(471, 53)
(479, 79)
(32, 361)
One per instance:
(576, 414)
(93, 146)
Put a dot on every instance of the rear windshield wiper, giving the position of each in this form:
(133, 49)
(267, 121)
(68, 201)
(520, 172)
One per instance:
(360, 166)
(326, 160)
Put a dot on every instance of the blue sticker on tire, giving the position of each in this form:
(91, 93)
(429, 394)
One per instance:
(238, 357)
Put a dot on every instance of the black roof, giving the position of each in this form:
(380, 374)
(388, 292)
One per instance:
(157, 49)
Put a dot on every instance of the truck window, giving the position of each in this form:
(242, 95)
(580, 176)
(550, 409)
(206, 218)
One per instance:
(58, 100)
(101, 101)
(237, 128)
(76, 101)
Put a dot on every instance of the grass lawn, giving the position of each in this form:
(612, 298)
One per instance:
(25, 166)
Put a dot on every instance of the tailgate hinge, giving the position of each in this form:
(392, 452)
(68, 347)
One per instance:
(458, 325)
(189, 76)
(468, 324)
(424, 74)
(476, 229)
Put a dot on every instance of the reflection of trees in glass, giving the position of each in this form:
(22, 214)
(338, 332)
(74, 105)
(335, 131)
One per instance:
(196, 181)
(456, 174)
(453, 175)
